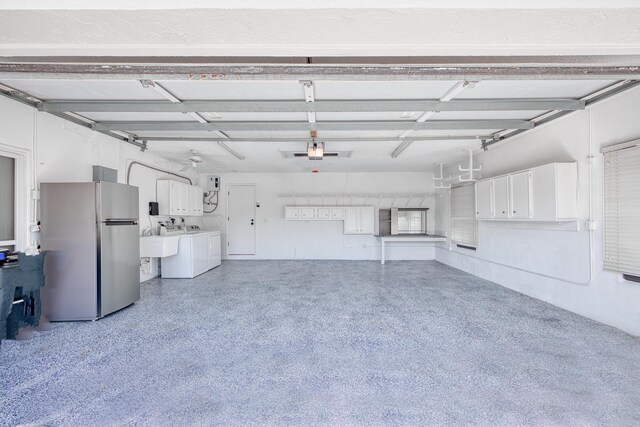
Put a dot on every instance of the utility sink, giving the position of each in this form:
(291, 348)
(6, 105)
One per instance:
(158, 246)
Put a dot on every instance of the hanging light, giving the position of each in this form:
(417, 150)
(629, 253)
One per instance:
(315, 150)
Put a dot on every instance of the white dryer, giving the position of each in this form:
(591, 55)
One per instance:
(198, 252)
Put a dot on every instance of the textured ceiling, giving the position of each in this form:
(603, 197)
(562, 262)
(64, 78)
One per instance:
(308, 32)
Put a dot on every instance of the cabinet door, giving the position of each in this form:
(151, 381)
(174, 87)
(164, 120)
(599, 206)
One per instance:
(501, 197)
(291, 212)
(307, 213)
(351, 220)
(195, 200)
(175, 198)
(366, 220)
(484, 200)
(324, 213)
(337, 213)
(185, 199)
(519, 191)
(191, 205)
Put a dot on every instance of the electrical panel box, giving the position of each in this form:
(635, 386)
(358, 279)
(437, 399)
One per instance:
(213, 183)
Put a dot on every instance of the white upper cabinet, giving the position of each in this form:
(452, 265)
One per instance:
(178, 199)
(501, 197)
(520, 195)
(291, 212)
(543, 193)
(337, 213)
(484, 199)
(359, 220)
(195, 200)
(324, 213)
(307, 213)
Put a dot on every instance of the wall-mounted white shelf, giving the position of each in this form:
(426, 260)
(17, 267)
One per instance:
(544, 193)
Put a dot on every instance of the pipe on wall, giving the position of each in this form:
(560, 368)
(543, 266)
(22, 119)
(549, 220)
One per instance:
(155, 168)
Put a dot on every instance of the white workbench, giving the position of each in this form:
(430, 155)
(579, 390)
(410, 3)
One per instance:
(407, 238)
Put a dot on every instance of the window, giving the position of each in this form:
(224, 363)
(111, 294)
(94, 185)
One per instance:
(622, 208)
(7, 204)
(463, 216)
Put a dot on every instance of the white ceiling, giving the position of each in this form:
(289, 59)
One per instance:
(327, 28)
(332, 28)
(266, 157)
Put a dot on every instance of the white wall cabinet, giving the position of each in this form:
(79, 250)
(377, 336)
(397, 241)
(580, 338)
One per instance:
(179, 199)
(359, 220)
(520, 195)
(307, 213)
(291, 213)
(484, 199)
(544, 193)
(501, 197)
(337, 213)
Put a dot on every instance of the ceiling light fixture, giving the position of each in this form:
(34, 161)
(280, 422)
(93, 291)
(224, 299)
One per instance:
(315, 150)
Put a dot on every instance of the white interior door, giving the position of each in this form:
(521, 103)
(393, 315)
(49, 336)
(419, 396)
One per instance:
(241, 236)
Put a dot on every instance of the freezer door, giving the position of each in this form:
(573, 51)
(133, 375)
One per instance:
(116, 201)
(119, 277)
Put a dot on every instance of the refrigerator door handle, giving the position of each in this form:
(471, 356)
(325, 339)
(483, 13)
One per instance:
(111, 222)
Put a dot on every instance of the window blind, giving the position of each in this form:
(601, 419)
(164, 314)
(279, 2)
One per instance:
(463, 215)
(622, 210)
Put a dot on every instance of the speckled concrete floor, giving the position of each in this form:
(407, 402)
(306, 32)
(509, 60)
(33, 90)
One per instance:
(328, 343)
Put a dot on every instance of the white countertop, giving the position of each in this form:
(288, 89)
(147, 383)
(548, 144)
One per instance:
(413, 238)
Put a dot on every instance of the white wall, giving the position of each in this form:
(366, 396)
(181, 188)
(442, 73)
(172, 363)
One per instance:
(60, 151)
(280, 239)
(552, 250)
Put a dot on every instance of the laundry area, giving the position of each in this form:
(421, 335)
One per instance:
(210, 215)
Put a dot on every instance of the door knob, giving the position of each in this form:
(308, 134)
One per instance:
(252, 222)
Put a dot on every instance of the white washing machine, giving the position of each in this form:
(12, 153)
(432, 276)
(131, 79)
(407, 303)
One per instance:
(198, 252)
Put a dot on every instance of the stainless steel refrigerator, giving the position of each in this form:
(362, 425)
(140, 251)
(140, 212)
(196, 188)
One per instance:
(91, 235)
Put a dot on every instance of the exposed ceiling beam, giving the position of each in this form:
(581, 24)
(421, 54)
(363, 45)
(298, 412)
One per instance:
(171, 97)
(448, 96)
(271, 140)
(363, 105)
(356, 68)
(131, 126)
(590, 99)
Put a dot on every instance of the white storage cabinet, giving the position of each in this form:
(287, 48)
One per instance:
(359, 220)
(544, 193)
(179, 199)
